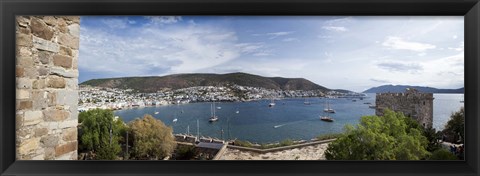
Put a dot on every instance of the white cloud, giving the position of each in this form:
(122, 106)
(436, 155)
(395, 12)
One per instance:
(335, 28)
(278, 34)
(156, 51)
(401, 44)
(459, 48)
(159, 20)
(405, 67)
(290, 40)
(115, 23)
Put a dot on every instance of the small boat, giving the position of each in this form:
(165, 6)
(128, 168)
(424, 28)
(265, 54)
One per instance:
(367, 103)
(237, 111)
(372, 106)
(219, 107)
(156, 112)
(306, 102)
(175, 120)
(326, 119)
(272, 103)
(277, 126)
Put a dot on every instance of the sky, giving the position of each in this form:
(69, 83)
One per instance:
(338, 52)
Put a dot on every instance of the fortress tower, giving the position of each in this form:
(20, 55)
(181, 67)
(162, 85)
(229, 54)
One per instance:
(412, 103)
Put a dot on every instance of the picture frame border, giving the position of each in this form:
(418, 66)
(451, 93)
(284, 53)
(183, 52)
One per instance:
(470, 9)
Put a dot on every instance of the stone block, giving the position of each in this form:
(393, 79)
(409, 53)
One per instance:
(61, 25)
(22, 94)
(50, 140)
(68, 124)
(24, 105)
(32, 118)
(40, 29)
(38, 84)
(73, 19)
(25, 61)
(42, 71)
(63, 61)
(24, 30)
(23, 21)
(64, 73)
(74, 30)
(39, 132)
(23, 51)
(50, 20)
(39, 157)
(52, 98)
(55, 115)
(44, 57)
(19, 71)
(66, 148)
(70, 134)
(39, 98)
(66, 51)
(68, 40)
(55, 82)
(24, 83)
(24, 40)
(45, 45)
(31, 72)
(28, 145)
(72, 83)
(50, 153)
(67, 97)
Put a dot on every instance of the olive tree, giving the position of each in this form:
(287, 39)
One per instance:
(151, 138)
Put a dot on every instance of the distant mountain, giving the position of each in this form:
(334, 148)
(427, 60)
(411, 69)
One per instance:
(401, 88)
(178, 81)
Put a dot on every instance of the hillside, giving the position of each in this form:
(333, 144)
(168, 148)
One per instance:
(401, 88)
(178, 81)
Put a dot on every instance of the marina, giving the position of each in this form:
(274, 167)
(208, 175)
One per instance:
(288, 119)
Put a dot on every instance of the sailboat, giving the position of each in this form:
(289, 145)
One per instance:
(306, 102)
(326, 118)
(328, 109)
(272, 103)
(156, 112)
(213, 117)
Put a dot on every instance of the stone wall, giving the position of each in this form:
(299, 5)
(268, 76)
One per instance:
(412, 103)
(47, 87)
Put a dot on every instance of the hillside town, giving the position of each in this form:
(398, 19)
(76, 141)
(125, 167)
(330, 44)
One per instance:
(113, 98)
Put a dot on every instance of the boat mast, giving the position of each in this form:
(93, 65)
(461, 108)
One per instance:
(198, 132)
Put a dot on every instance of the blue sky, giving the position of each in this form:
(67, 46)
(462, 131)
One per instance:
(337, 52)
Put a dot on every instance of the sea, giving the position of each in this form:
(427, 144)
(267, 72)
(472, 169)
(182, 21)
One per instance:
(290, 118)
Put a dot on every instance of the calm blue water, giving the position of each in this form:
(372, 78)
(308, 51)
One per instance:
(256, 120)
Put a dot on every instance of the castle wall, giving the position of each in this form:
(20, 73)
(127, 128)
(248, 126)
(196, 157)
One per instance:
(416, 105)
(47, 87)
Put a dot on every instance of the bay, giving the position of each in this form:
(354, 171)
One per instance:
(288, 119)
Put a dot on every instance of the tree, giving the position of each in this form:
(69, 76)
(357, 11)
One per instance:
(100, 133)
(152, 139)
(391, 137)
(456, 126)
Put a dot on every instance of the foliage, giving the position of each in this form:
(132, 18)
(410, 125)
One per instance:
(456, 125)
(442, 154)
(243, 143)
(152, 139)
(432, 137)
(328, 136)
(391, 137)
(100, 133)
(185, 152)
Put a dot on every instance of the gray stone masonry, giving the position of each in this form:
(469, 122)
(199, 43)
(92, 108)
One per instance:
(47, 89)
(412, 103)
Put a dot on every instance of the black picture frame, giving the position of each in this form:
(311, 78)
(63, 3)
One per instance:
(470, 9)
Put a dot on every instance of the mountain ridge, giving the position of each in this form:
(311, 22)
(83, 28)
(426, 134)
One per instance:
(178, 81)
(401, 88)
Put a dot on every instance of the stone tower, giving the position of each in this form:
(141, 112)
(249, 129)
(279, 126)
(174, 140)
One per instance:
(47, 87)
(412, 103)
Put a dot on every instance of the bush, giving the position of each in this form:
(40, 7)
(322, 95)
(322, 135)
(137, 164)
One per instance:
(328, 136)
(443, 154)
(185, 152)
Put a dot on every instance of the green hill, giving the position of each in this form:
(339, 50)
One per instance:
(178, 81)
